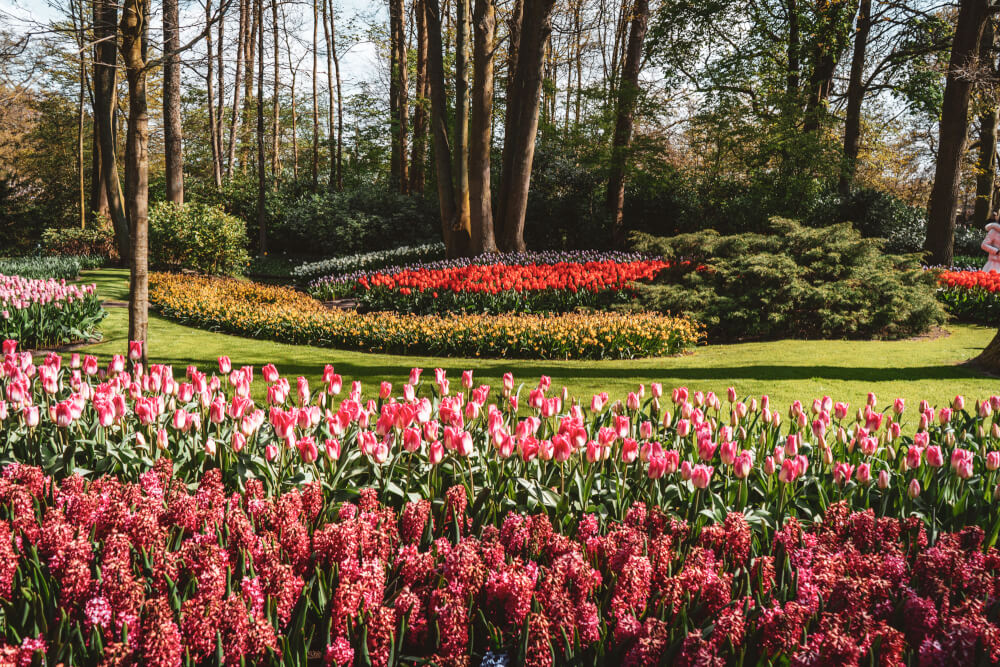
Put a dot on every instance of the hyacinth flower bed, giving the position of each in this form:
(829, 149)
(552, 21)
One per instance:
(499, 272)
(279, 313)
(47, 312)
(513, 447)
(972, 296)
(503, 288)
(369, 261)
(65, 266)
(112, 572)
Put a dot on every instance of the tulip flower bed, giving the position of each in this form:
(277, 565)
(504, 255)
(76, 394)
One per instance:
(512, 447)
(67, 266)
(278, 313)
(47, 312)
(152, 573)
(972, 296)
(501, 287)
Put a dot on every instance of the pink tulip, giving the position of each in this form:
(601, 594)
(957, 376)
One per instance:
(332, 448)
(657, 467)
(743, 465)
(270, 453)
(883, 479)
(225, 365)
(435, 453)
(31, 416)
(270, 373)
(913, 456)
(864, 473)
(9, 346)
(701, 475)
(680, 395)
(914, 488)
(415, 375)
(683, 428)
(508, 383)
(686, 470)
(944, 416)
(992, 460)
(842, 472)
(239, 441)
(135, 350)
(630, 450)
(632, 402)
(958, 403)
(934, 457)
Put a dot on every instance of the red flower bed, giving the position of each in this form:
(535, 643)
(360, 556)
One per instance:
(502, 287)
(155, 573)
(971, 295)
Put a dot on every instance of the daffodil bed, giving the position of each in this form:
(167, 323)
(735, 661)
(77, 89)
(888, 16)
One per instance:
(279, 313)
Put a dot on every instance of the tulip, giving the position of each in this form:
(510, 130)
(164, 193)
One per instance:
(992, 460)
(728, 452)
(680, 395)
(913, 489)
(332, 448)
(239, 441)
(934, 456)
(135, 350)
(864, 473)
(701, 475)
(632, 402)
(958, 403)
(913, 456)
(435, 453)
(883, 479)
(270, 373)
(31, 416)
(657, 467)
(842, 473)
(743, 465)
(225, 365)
(944, 416)
(871, 399)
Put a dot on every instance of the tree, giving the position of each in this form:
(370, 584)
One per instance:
(628, 97)
(134, 36)
(855, 96)
(261, 173)
(397, 94)
(953, 129)
(105, 75)
(172, 132)
(986, 165)
(419, 148)
(234, 120)
(481, 206)
(213, 135)
(523, 97)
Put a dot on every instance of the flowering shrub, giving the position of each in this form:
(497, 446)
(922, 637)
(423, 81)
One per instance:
(369, 261)
(284, 314)
(153, 573)
(971, 295)
(47, 312)
(500, 288)
(95, 241)
(512, 447)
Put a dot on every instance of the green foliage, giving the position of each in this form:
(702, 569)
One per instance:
(369, 261)
(796, 282)
(94, 241)
(197, 237)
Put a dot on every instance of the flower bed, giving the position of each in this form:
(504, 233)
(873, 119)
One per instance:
(503, 288)
(283, 314)
(47, 312)
(64, 267)
(151, 572)
(496, 271)
(369, 261)
(971, 295)
(520, 447)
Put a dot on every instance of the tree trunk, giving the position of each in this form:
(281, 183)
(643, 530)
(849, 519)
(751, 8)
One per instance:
(855, 98)
(481, 206)
(952, 131)
(98, 187)
(295, 71)
(256, 20)
(234, 121)
(340, 101)
(418, 156)
(510, 107)
(173, 148)
(826, 53)
(792, 52)
(261, 170)
(78, 33)
(463, 224)
(397, 94)
(987, 163)
(220, 70)
(315, 97)
(214, 138)
(134, 31)
(328, 33)
(275, 116)
(457, 245)
(536, 26)
(105, 68)
(628, 97)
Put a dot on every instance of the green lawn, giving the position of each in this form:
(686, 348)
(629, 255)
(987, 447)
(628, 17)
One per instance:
(787, 370)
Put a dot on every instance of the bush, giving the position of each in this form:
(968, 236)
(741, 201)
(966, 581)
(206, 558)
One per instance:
(797, 282)
(94, 241)
(279, 313)
(339, 223)
(197, 237)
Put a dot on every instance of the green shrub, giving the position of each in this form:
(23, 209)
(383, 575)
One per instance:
(197, 237)
(94, 241)
(796, 282)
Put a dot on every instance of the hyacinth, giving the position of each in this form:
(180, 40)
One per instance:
(160, 639)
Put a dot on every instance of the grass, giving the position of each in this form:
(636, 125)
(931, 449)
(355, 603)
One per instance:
(786, 370)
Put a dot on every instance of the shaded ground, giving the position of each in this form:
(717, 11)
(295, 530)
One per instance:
(925, 367)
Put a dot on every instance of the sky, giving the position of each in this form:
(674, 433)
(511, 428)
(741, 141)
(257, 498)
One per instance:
(359, 63)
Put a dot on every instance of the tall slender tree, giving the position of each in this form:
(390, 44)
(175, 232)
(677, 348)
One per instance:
(398, 93)
(986, 165)
(261, 166)
(481, 205)
(173, 137)
(275, 111)
(234, 120)
(315, 95)
(214, 139)
(463, 219)
(134, 37)
(953, 130)
(628, 98)
(855, 97)
(419, 147)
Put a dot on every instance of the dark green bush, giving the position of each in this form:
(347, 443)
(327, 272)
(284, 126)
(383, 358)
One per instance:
(796, 282)
(95, 241)
(197, 237)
